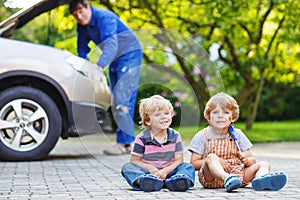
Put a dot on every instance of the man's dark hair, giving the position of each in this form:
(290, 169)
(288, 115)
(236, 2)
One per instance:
(74, 5)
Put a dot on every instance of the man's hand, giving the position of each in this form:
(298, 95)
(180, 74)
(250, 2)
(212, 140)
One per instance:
(101, 67)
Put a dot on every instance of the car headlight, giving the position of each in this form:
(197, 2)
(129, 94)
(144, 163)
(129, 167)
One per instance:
(86, 68)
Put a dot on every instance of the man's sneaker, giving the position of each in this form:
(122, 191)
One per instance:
(117, 149)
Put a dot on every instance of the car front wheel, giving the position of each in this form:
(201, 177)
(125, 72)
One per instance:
(30, 124)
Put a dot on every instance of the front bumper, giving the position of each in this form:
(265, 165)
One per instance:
(87, 118)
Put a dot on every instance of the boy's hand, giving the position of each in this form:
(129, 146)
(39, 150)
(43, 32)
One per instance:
(243, 158)
(225, 165)
(154, 171)
(161, 174)
(246, 159)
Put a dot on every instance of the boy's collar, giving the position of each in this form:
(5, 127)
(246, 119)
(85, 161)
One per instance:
(165, 139)
(149, 137)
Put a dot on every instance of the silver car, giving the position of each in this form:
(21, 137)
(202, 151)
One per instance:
(45, 93)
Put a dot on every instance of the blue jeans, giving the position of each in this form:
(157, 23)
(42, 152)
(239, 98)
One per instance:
(132, 172)
(124, 76)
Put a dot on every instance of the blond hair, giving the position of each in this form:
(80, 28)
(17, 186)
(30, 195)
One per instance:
(152, 104)
(226, 102)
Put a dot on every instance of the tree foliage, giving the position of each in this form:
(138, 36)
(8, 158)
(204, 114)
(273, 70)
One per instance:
(248, 42)
(256, 40)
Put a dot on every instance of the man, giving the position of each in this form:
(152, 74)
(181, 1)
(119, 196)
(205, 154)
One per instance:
(122, 52)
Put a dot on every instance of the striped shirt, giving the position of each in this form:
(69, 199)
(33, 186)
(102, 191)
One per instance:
(158, 154)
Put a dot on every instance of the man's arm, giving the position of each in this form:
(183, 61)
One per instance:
(109, 37)
(82, 44)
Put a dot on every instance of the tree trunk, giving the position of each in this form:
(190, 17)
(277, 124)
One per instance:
(253, 105)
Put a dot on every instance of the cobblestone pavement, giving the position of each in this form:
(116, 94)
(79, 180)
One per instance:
(77, 169)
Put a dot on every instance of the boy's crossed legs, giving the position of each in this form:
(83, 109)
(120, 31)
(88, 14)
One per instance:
(180, 179)
(258, 173)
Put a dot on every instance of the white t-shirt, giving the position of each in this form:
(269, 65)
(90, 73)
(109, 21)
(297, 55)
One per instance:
(198, 142)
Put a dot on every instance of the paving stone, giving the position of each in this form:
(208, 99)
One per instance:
(77, 169)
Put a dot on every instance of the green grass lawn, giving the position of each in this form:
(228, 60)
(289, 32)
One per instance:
(280, 131)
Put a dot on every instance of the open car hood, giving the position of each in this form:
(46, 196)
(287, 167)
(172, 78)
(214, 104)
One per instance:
(26, 14)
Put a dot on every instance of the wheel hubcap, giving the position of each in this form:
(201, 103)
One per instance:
(23, 125)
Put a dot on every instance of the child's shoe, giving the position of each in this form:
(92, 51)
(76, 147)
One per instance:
(232, 182)
(149, 183)
(269, 182)
(179, 182)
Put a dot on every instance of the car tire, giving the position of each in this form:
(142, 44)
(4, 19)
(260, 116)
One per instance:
(30, 124)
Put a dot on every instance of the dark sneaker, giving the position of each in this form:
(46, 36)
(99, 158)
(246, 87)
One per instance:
(149, 183)
(178, 183)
